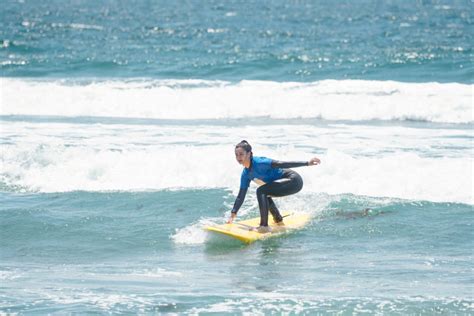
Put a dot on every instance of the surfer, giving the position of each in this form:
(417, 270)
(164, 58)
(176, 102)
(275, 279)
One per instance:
(274, 180)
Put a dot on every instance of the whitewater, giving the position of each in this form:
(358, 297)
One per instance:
(352, 100)
(375, 138)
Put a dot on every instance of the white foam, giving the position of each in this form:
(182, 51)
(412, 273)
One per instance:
(144, 275)
(55, 169)
(7, 275)
(402, 175)
(103, 301)
(382, 161)
(199, 99)
(192, 234)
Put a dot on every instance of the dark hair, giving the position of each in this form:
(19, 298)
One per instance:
(245, 146)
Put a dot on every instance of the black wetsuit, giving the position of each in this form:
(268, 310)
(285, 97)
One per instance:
(278, 181)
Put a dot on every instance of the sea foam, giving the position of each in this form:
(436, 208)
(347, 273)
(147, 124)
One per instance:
(47, 168)
(352, 100)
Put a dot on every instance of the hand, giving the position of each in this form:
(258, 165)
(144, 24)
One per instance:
(314, 161)
(231, 218)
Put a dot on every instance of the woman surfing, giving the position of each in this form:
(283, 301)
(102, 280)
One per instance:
(274, 180)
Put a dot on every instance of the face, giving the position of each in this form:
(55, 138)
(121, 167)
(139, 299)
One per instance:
(242, 156)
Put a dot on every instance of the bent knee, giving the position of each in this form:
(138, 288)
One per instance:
(298, 182)
(299, 187)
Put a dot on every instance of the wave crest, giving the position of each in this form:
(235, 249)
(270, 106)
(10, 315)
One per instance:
(351, 100)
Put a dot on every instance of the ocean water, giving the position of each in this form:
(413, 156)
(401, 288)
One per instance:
(118, 121)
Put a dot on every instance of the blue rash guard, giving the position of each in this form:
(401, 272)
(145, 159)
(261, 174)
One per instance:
(262, 170)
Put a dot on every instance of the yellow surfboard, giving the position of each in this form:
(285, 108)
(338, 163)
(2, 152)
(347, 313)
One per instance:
(245, 230)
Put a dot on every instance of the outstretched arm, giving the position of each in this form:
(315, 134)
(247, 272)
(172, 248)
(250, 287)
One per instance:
(293, 164)
(238, 203)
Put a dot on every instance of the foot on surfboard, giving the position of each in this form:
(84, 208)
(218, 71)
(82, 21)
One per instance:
(263, 229)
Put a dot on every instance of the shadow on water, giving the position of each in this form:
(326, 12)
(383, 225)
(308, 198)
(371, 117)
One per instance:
(218, 244)
(346, 214)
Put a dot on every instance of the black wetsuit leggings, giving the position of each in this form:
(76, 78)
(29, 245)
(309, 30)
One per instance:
(289, 184)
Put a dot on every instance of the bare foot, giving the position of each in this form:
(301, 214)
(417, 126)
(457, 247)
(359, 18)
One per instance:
(263, 229)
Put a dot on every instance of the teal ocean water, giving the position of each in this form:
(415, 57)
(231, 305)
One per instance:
(118, 122)
(424, 40)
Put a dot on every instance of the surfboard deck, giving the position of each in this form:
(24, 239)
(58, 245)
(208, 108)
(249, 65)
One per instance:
(244, 230)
